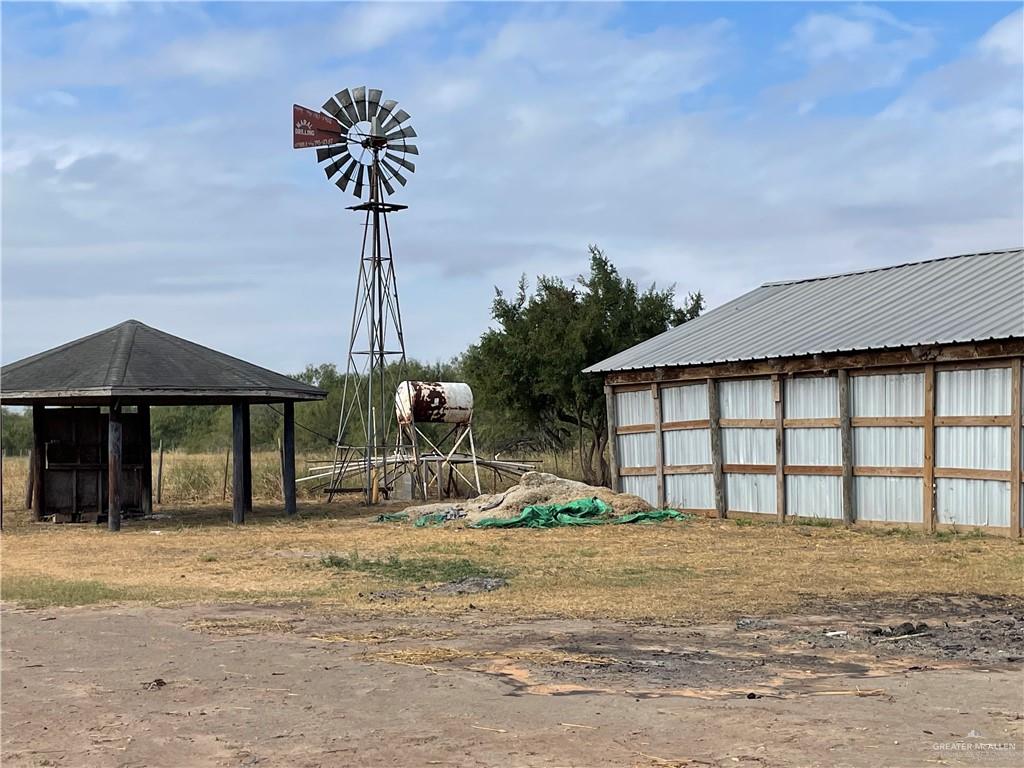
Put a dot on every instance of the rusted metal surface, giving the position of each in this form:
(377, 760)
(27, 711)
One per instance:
(434, 402)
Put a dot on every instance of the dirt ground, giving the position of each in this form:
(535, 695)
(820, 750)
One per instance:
(306, 685)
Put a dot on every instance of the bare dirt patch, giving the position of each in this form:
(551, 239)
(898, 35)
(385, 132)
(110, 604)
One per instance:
(305, 687)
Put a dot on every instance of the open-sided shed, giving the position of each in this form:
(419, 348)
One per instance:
(86, 460)
(886, 396)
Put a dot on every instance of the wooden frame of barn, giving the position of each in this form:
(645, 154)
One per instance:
(88, 462)
(890, 396)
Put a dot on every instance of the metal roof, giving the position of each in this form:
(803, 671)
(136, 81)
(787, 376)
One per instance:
(139, 363)
(973, 297)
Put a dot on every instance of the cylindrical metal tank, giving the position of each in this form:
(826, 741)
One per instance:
(434, 402)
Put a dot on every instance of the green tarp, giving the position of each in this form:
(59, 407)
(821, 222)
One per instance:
(579, 512)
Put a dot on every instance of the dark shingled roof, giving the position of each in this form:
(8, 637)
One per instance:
(136, 363)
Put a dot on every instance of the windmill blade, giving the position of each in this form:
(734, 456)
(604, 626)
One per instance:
(346, 177)
(336, 166)
(394, 172)
(401, 161)
(372, 102)
(396, 119)
(405, 133)
(334, 109)
(387, 184)
(328, 152)
(386, 107)
(345, 99)
(359, 97)
(358, 191)
(401, 146)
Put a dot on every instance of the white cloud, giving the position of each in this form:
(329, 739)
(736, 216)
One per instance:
(1006, 39)
(222, 56)
(823, 35)
(367, 26)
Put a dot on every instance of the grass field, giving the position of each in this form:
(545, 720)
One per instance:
(336, 556)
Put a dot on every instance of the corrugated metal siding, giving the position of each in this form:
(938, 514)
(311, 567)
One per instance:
(888, 499)
(746, 399)
(895, 394)
(972, 447)
(690, 491)
(687, 446)
(977, 392)
(888, 446)
(812, 397)
(686, 403)
(817, 446)
(634, 408)
(814, 496)
(965, 298)
(644, 486)
(750, 493)
(741, 445)
(972, 502)
(638, 450)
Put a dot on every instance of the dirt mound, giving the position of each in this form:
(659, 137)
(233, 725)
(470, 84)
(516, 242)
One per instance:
(533, 488)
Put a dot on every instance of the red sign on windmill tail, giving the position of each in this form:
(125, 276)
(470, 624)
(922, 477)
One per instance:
(314, 129)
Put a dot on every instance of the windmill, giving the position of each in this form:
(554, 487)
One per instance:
(361, 142)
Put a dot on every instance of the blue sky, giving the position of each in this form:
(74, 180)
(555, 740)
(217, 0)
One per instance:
(148, 171)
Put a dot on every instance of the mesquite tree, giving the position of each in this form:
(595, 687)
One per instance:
(531, 366)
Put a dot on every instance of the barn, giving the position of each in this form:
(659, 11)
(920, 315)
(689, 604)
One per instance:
(887, 396)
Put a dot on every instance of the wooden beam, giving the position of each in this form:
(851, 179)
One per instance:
(846, 445)
(887, 421)
(247, 456)
(982, 353)
(1016, 423)
(632, 429)
(659, 447)
(38, 462)
(973, 421)
(969, 473)
(634, 471)
(888, 471)
(288, 446)
(613, 443)
(778, 390)
(749, 469)
(691, 424)
(688, 469)
(928, 515)
(714, 417)
(810, 423)
(115, 451)
(813, 469)
(238, 425)
(145, 427)
(748, 423)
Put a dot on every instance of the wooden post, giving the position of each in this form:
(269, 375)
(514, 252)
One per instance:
(30, 481)
(147, 461)
(160, 475)
(778, 389)
(1015, 446)
(38, 461)
(224, 485)
(238, 427)
(613, 441)
(247, 457)
(714, 417)
(846, 445)
(659, 448)
(114, 446)
(288, 457)
(928, 496)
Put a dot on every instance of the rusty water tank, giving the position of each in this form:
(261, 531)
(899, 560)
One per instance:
(434, 402)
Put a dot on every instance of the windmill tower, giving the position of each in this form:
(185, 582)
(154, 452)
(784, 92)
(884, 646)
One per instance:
(362, 141)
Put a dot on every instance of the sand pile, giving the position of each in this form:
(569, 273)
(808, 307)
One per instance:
(533, 488)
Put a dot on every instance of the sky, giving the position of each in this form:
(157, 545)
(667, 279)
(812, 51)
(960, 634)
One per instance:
(148, 171)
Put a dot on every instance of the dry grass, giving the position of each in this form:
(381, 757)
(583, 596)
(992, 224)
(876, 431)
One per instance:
(672, 572)
(440, 654)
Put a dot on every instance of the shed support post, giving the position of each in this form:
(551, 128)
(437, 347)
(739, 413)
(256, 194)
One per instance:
(247, 457)
(778, 390)
(1015, 446)
(846, 445)
(659, 448)
(928, 481)
(613, 440)
(714, 418)
(289, 458)
(38, 461)
(147, 461)
(114, 446)
(240, 451)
